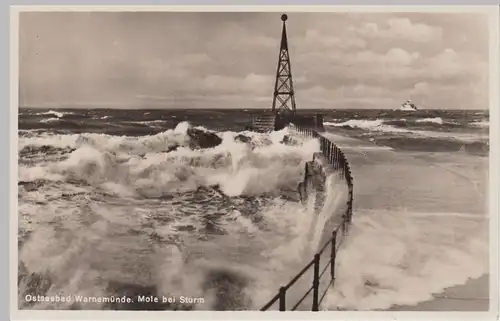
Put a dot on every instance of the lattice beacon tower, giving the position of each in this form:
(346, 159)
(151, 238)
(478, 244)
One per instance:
(284, 96)
(284, 110)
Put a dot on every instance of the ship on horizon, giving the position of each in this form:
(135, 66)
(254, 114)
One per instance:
(408, 106)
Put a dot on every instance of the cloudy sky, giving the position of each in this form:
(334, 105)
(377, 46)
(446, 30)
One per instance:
(339, 60)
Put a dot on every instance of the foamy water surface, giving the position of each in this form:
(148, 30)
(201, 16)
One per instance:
(103, 214)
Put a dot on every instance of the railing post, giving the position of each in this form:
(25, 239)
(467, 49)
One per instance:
(333, 254)
(282, 298)
(334, 156)
(315, 305)
(339, 159)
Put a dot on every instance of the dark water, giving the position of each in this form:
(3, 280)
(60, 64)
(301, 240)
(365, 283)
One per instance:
(428, 130)
(130, 122)
(425, 130)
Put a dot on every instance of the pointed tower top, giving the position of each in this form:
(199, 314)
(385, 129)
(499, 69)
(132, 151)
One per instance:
(284, 41)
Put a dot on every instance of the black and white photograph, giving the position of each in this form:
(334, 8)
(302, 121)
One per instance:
(254, 160)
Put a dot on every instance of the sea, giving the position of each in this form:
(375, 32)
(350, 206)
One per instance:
(122, 203)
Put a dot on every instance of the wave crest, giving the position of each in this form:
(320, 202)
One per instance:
(163, 164)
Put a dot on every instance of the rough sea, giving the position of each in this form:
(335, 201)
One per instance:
(125, 203)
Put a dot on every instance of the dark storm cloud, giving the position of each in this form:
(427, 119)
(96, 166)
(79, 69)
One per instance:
(228, 59)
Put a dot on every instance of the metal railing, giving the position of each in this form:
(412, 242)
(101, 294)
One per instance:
(317, 275)
(337, 160)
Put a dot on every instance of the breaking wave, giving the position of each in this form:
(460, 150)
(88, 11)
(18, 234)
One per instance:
(481, 123)
(412, 129)
(152, 166)
(55, 113)
(162, 215)
(105, 215)
(435, 120)
(376, 124)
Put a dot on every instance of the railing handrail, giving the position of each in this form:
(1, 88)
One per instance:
(335, 157)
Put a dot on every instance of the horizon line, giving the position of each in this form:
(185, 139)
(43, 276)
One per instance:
(236, 108)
